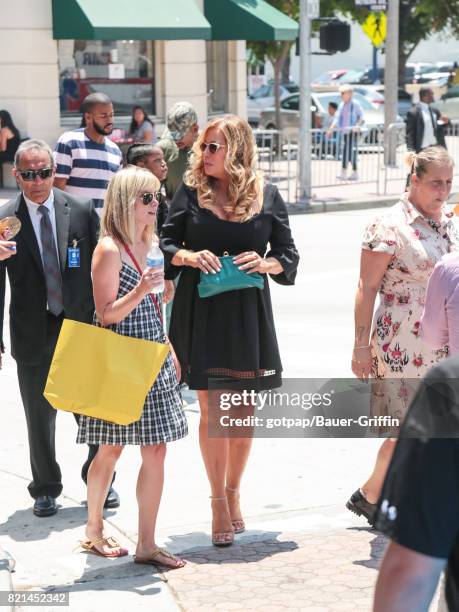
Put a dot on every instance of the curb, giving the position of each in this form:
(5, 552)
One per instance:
(322, 206)
(7, 564)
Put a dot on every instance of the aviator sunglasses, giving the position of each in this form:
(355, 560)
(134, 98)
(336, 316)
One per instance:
(212, 146)
(148, 197)
(31, 175)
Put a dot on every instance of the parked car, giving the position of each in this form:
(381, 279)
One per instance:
(263, 98)
(365, 75)
(453, 92)
(413, 70)
(331, 77)
(371, 94)
(373, 117)
(405, 100)
(438, 78)
(449, 103)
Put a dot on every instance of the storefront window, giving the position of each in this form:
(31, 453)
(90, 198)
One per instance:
(122, 69)
(217, 76)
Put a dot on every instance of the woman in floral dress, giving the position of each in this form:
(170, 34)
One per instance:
(399, 251)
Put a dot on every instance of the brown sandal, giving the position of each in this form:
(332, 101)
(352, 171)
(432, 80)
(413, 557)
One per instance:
(222, 538)
(111, 542)
(151, 559)
(238, 524)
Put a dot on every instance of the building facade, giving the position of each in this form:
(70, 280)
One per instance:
(147, 52)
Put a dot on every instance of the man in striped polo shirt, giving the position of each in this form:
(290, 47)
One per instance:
(85, 158)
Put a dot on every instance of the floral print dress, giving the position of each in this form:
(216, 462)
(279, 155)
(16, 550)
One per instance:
(400, 356)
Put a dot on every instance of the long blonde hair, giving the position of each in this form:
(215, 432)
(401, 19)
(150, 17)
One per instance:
(245, 185)
(118, 220)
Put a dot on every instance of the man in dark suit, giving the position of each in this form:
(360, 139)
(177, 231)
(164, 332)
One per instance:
(45, 289)
(425, 126)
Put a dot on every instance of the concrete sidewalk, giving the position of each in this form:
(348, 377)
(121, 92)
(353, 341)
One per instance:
(309, 559)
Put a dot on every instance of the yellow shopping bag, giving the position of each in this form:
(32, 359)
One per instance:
(101, 374)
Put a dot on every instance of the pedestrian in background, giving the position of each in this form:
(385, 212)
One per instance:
(224, 206)
(348, 120)
(176, 143)
(151, 157)
(329, 143)
(142, 128)
(86, 159)
(125, 304)
(425, 125)
(9, 137)
(44, 291)
(399, 250)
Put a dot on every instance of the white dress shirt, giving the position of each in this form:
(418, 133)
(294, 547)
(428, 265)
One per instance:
(36, 216)
(428, 137)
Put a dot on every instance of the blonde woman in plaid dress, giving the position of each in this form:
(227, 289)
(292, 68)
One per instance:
(124, 304)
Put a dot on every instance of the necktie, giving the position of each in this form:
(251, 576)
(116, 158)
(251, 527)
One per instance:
(50, 264)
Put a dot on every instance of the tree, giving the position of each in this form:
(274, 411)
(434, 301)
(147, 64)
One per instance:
(419, 19)
(276, 51)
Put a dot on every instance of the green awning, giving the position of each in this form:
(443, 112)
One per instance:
(248, 20)
(129, 19)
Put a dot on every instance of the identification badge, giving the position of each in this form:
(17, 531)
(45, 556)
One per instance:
(73, 257)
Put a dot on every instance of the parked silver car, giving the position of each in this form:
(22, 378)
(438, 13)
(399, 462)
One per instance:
(263, 98)
(373, 117)
(375, 95)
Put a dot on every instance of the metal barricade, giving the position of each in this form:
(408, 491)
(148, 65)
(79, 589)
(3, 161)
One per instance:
(278, 161)
(278, 158)
(346, 155)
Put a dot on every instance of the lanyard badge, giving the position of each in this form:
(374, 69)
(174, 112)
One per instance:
(73, 255)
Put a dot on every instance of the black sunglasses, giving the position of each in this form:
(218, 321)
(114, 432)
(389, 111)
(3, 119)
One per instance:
(31, 175)
(148, 197)
(212, 146)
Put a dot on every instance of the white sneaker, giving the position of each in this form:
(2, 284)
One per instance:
(354, 177)
(342, 176)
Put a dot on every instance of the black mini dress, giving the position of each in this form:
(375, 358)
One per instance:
(231, 336)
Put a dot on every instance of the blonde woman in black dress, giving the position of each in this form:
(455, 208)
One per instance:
(223, 206)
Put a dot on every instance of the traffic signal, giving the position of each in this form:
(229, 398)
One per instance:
(335, 36)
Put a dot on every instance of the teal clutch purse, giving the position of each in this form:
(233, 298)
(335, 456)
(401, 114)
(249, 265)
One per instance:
(228, 279)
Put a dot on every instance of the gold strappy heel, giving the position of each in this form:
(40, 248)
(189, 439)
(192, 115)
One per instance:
(222, 538)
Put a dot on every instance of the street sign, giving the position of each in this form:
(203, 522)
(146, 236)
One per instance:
(372, 5)
(313, 9)
(375, 27)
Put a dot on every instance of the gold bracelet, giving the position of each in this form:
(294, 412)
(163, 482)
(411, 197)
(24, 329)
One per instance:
(362, 347)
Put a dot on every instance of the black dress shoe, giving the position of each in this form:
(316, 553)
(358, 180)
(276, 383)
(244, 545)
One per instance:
(362, 507)
(44, 505)
(113, 499)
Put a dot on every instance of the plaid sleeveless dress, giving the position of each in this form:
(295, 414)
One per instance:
(163, 418)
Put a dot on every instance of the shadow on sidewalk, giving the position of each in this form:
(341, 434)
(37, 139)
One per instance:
(252, 547)
(24, 526)
(377, 548)
(111, 575)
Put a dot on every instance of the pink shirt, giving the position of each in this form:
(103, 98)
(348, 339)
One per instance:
(440, 319)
